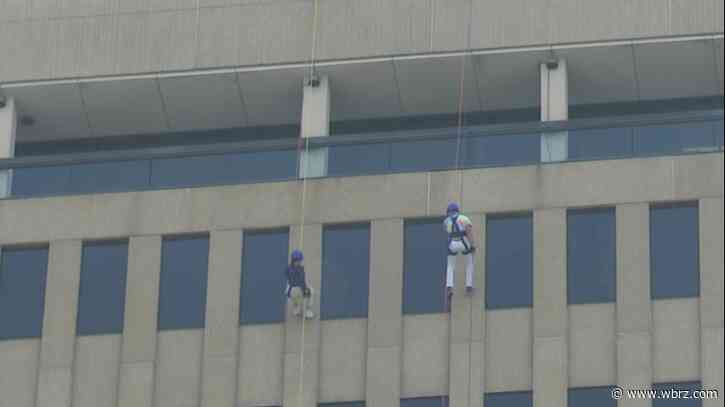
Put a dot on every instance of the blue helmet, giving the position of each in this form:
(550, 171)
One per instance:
(297, 256)
(452, 208)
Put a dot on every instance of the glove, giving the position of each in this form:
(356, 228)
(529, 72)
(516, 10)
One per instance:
(472, 249)
(307, 292)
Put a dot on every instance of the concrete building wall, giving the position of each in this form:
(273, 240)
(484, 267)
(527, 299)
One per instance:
(546, 348)
(68, 38)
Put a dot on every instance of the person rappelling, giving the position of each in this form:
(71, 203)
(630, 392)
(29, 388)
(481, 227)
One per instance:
(298, 291)
(460, 241)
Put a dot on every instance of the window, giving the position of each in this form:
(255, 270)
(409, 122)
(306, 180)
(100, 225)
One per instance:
(440, 401)
(343, 404)
(423, 155)
(22, 287)
(674, 138)
(678, 394)
(674, 252)
(509, 261)
(182, 287)
(719, 134)
(40, 181)
(345, 271)
(102, 293)
(592, 397)
(502, 150)
(591, 256)
(109, 176)
(508, 399)
(424, 266)
(264, 260)
(359, 159)
(600, 143)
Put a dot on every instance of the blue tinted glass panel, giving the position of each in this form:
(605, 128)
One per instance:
(344, 404)
(345, 271)
(359, 159)
(502, 150)
(40, 181)
(508, 399)
(592, 397)
(677, 394)
(440, 401)
(224, 169)
(102, 293)
(509, 261)
(424, 266)
(22, 287)
(719, 134)
(264, 261)
(109, 176)
(600, 143)
(182, 289)
(591, 256)
(423, 155)
(674, 252)
(674, 138)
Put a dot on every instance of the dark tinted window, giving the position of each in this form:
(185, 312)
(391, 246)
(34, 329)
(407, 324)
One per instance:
(264, 260)
(109, 176)
(22, 292)
(359, 159)
(502, 150)
(509, 261)
(674, 138)
(674, 253)
(719, 135)
(677, 394)
(592, 397)
(224, 169)
(182, 289)
(440, 401)
(40, 181)
(344, 404)
(600, 143)
(508, 399)
(102, 293)
(424, 266)
(591, 256)
(345, 271)
(423, 155)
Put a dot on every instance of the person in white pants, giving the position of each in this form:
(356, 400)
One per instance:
(298, 291)
(460, 241)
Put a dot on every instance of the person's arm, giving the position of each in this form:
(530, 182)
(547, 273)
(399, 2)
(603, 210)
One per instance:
(469, 235)
(305, 289)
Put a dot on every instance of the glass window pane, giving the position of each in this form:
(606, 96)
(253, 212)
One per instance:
(439, 401)
(674, 251)
(359, 159)
(264, 261)
(40, 181)
(344, 404)
(719, 134)
(182, 288)
(22, 287)
(424, 266)
(102, 293)
(109, 176)
(676, 393)
(591, 397)
(674, 138)
(591, 256)
(502, 150)
(423, 155)
(509, 261)
(345, 271)
(508, 399)
(600, 143)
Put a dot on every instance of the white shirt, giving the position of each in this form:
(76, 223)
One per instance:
(462, 221)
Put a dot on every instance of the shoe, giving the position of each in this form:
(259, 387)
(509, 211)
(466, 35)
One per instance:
(309, 314)
(469, 290)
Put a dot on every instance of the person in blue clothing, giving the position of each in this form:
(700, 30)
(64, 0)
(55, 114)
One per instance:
(298, 291)
(460, 241)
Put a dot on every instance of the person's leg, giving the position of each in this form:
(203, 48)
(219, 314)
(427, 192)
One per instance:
(296, 296)
(469, 271)
(309, 313)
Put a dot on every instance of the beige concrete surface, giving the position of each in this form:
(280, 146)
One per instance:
(261, 350)
(96, 370)
(19, 372)
(425, 355)
(343, 359)
(178, 368)
(676, 340)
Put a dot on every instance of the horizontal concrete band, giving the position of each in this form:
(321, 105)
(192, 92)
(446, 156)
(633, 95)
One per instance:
(332, 200)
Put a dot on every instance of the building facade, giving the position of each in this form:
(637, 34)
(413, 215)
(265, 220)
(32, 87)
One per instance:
(159, 160)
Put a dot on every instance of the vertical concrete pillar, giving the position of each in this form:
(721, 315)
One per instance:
(8, 125)
(57, 344)
(138, 350)
(554, 107)
(315, 123)
(312, 248)
(221, 334)
(711, 296)
(550, 362)
(634, 311)
(478, 316)
(385, 322)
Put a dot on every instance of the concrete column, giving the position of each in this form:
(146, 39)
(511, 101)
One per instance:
(634, 311)
(711, 296)
(315, 123)
(550, 361)
(554, 107)
(312, 248)
(138, 351)
(477, 364)
(221, 334)
(59, 324)
(8, 125)
(385, 323)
